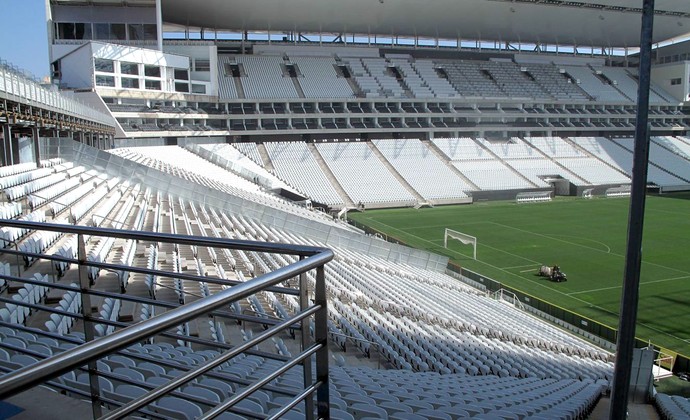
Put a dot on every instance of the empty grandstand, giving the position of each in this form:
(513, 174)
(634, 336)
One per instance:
(173, 237)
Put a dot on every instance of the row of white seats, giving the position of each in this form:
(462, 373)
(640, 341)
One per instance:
(12, 234)
(22, 177)
(422, 169)
(10, 210)
(29, 293)
(78, 210)
(294, 163)
(168, 158)
(100, 252)
(320, 79)
(19, 191)
(48, 194)
(38, 242)
(70, 302)
(110, 310)
(361, 174)
(8, 170)
(81, 197)
(265, 78)
(68, 249)
(130, 247)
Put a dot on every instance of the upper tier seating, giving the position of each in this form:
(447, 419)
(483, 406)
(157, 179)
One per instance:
(555, 83)
(596, 88)
(265, 77)
(226, 83)
(440, 87)
(417, 85)
(468, 79)
(319, 78)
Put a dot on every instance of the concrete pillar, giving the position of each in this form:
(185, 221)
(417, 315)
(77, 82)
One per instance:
(159, 25)
(14, 147)
(37, 148)
(6, 144)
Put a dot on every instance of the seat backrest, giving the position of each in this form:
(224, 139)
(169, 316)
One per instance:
(190, 409)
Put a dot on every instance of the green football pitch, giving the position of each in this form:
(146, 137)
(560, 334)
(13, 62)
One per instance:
(586, 238)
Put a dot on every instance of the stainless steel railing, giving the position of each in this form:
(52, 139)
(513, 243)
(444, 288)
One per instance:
(310, 258)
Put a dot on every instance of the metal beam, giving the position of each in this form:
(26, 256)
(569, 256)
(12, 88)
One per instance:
(633, 258)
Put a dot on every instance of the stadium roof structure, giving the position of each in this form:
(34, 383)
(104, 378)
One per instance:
(598, 23)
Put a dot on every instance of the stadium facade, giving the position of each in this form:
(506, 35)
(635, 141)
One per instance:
(391, 103)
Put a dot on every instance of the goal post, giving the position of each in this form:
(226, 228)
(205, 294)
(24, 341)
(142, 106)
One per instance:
(464, 238)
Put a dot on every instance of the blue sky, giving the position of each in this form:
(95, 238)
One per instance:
(23, 38)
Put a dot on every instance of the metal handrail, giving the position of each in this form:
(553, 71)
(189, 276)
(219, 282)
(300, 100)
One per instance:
(310, 258)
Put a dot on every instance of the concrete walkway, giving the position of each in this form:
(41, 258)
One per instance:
(635, 411)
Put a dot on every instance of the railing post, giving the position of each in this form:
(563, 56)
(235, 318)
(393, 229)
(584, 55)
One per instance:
(321, 336)
(306, 364)
(89, 335)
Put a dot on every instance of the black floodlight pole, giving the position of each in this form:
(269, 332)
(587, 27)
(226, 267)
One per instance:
(633, 257)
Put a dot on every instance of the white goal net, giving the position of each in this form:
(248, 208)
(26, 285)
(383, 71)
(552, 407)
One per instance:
(464, 238)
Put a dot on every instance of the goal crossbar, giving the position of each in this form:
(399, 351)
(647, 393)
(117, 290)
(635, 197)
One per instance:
(462, 237)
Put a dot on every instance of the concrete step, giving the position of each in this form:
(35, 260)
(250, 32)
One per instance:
(331, 177)
(395, 173)
(263, 152)
(443, 158)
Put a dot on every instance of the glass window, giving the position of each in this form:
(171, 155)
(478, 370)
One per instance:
(108, 81)
(101, 31)
(136, 32)
(118, 31)
(152, 71)
(82, 31)
(202, 65)
(106, 66)
(181, 87)
(150, 32)
(153, 85)
(201, 89)
(181, 74)
(73, 30)
(129, 68)
(676, 81)
(65, 30)
(130, 83)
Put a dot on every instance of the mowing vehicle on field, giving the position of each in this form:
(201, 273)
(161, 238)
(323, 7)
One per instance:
(553, 273)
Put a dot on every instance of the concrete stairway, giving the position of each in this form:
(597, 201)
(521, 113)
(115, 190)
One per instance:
(331, 177)
(507, 165)
(443, 158)
(586, 153)
(395, 173)
(574, 175)
(265, 157)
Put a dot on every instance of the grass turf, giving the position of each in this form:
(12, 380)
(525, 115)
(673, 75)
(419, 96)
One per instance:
(587, 238)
